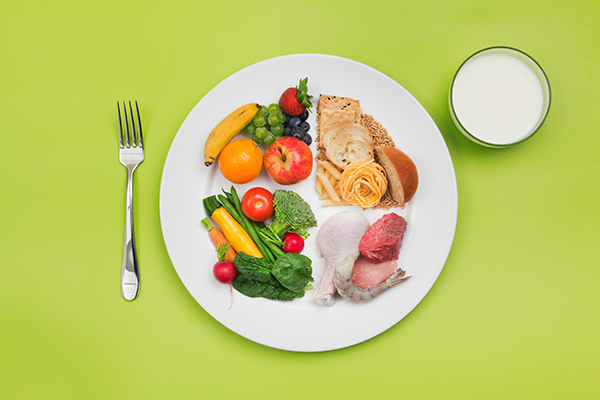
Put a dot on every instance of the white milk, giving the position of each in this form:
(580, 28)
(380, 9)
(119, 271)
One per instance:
(497, 98)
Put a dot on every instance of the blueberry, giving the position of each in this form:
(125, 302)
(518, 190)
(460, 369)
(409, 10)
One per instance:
(297, 133)
(305, 126)
(304, 116)
(294, 122)
(307, 139)
(287, 131)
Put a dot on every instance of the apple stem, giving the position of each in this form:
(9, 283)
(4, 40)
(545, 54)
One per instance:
(281, 152)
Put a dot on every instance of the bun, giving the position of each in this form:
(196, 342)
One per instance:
(347, 148)
(356, 130)
(401, 172)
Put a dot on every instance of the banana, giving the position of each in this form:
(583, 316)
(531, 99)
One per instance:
(230, 126)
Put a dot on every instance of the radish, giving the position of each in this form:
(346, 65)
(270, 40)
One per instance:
(292, 243)
(224, 271)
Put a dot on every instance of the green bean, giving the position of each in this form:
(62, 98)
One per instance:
(274, 248)
(277, 252)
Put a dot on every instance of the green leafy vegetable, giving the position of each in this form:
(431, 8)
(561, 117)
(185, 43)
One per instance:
(272, 290)
(253, 268)
(293, 271)
(286, 279)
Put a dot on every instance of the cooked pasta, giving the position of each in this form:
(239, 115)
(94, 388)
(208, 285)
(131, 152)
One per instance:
(363, 183)
(328, 187)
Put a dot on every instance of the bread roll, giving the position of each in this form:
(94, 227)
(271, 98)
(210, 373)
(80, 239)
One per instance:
(347, 148)
(401, 172)
(356, 130)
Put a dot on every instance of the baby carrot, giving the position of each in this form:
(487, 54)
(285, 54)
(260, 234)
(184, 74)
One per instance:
(218, 239)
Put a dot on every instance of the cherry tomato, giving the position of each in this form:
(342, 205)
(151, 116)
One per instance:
(292, 243)
(257, 204)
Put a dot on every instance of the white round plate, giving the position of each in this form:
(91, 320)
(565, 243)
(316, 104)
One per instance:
(302, 325)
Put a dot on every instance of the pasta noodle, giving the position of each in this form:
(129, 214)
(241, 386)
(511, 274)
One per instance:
(328, 187)
(332, 169)
(331, 203)
(363, 183)
(318, 184)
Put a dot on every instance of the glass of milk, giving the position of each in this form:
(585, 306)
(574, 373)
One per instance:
(499, 97)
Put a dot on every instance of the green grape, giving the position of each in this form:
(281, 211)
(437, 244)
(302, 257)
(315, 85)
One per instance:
(264, 111)
(269, 139)
(250, 128)
(282, 117)
(261, 132)
(273, 108)
(277, 130)
(259, 120)
(256, 139)
(273, 119)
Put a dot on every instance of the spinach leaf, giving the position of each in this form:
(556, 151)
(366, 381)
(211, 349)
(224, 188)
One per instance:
(258, 277)
(271, 290)
(253, 268)
(293, 271)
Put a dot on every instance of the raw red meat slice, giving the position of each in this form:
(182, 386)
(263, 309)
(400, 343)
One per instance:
(383, 239)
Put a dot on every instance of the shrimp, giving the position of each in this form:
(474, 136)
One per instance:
(355, 294)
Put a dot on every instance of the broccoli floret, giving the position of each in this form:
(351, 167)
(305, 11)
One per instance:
(292, 214)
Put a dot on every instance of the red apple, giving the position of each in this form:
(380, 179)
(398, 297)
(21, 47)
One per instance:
(288, 160)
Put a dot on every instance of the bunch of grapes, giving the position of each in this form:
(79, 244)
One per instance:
(267, 125)
(270, 123)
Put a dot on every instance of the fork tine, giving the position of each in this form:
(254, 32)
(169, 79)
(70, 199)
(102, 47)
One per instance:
(139, 126)
(120, 126)
(133, 130)
(126, 125)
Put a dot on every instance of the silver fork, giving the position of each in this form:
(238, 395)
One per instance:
(131, 154)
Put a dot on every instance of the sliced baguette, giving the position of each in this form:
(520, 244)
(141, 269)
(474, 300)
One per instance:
(401, 173)
(347, 148)
(356, 130)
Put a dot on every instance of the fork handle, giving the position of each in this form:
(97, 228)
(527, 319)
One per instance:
(130, 272)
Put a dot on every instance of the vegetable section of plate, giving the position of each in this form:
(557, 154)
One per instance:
(310, 213)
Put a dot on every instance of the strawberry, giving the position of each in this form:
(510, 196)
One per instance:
(295, 100)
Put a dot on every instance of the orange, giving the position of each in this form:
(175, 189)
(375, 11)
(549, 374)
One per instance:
(241, 161)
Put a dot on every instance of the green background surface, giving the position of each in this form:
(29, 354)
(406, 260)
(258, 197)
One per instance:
(514, 314)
